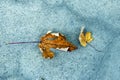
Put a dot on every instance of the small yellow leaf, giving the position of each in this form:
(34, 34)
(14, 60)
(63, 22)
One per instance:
(88, 37)
(82, 40)
(85, 38)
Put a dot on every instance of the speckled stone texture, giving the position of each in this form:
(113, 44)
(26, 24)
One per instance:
(28, 20)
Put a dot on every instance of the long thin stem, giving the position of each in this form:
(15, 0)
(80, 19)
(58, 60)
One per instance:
(95, 48)
(23, 42)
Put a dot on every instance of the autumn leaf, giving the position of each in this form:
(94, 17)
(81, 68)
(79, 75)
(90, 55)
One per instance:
(56, 41)
(85, 38)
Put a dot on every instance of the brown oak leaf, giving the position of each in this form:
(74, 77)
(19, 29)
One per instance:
(56, 41)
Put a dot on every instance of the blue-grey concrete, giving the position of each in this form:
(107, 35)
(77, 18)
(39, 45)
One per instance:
(28, 20)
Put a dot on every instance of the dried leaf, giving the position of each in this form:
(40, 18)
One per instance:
(82, 39)
(85, 38)
(88, 37)
(56, 41)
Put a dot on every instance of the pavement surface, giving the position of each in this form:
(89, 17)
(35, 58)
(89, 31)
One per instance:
(28, 20)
